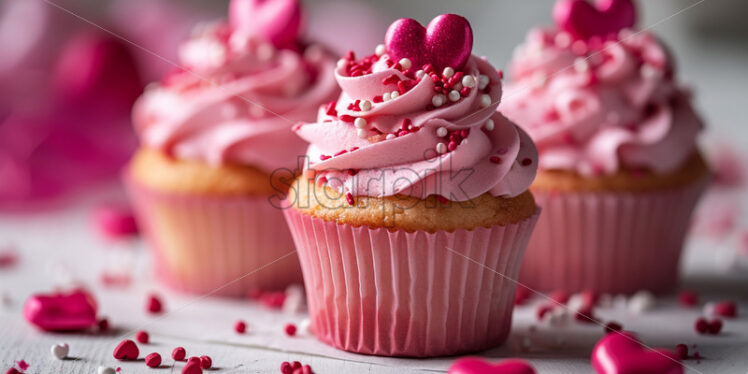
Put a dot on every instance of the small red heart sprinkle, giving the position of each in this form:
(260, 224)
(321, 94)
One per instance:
(178, 354)
(126, 350)
(623, 353)
(688, 298)
(154, 304)
(153, 360)
(103, 324)
(240, 327)
(12, 371)
(192, 368)
(142, 337)
(681, 350)
(726, 309)
(472, 365)
(521, 295)
(206, 362)
(193, 360)
(290, 329)
(560, 296)
(701, 326)
(715, 326)
(542, 311)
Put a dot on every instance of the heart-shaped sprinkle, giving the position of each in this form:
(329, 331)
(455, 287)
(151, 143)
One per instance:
(61, 312)
(584, 21)
(60, 351)
(622, 353)
(153, 360)
(472, 365)
(192, 368)
(277, 21)
(126, 350)
(447, 41)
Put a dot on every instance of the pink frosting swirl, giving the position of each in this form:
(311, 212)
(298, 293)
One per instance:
(594, 109)
(238, 101)
(417, 145)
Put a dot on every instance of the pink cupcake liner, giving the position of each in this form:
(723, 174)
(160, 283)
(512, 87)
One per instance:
(610, 242)
(225, 245)
(399, 293)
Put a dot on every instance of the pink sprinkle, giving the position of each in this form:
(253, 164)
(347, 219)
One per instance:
(115, 221)
(349, 199)
(115, 280)
(681, 350)
(290, 329)
(688, 298)
(726, 309)
(206, 362)
(154, 304)
(153, 360)
(273, 299)
(240, 327)
(178, 354)
(142, 337)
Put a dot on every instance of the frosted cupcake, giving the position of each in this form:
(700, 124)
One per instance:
(620, 171)
(216, 143)
(413, 214)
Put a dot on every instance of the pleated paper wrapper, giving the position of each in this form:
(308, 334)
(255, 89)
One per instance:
(226, 245)
(611, 242)
(415, 294)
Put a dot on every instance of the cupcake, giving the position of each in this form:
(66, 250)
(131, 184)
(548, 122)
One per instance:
(216, 143)
(620, 170)
(412, 215)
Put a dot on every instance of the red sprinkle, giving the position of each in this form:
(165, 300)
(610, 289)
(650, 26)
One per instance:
(560, 296)
(585, 315)
(613, 326)
(23, 365)
(154, 304)
(331, 109)
(240, 327)
(340, 153)
(501, 73)
(206, 362)
(273, 299)
(688, 298)
(377, 99)
(153, 360)
(178, 354)
(192, 368)
(542, 311)
(103, 325)
(13, 371)
(495, 159)
(715, 326)
(350, 56)
(681, 350)
(347, 118)
(526, 162)
(324, 157)
(286, 367)
(126, 350)
(726, 309)
(521, 295)
(391, 79)
(441, 199)
(142, 337)
(193, 360)
(349, 199)
(701, 326)
(290, 329)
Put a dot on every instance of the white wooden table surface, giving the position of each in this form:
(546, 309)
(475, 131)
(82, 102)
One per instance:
(57, 248)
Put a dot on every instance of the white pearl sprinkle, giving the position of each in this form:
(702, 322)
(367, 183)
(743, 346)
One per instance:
(60, 351)
(441, 148)
(441, 132)
(341, 63)
(405, 63)
(448, 72)
(483, 82)
(468, 81)
(485, 101)
(390, 136)
(394, 94)
(365, 105)
(361, 133)
(420, 74)
(106, 370)
(380, 49)
(581, 65)
(438, 100)
(360, 123)
(490, 125)
(386, 97)
(454, 95)
(641, 302)
(304, 325)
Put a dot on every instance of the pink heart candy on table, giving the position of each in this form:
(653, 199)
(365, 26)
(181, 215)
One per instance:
(126, 350)
(277, 21)
(583, 20)
(622, 353)
(447, 41)
(61, 312)
(472, 365)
